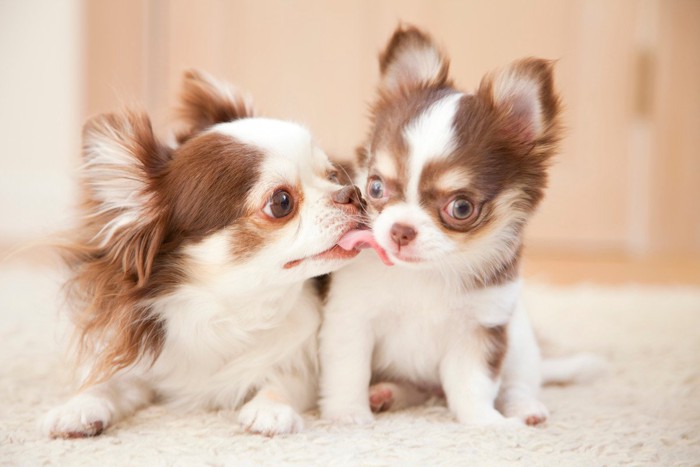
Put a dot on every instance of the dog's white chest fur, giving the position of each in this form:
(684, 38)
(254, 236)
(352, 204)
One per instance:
(413, 316)
(217, 351)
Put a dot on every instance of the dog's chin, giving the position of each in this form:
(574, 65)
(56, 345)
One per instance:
(330, 259)
(409, 260)
(415, 259)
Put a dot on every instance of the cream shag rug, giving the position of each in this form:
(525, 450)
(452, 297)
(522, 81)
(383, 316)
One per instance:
(646, 410)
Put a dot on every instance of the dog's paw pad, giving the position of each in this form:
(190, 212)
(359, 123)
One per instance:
(533, 420)
(91, 429)
(81, 417)
(269, 418)
(381, 397)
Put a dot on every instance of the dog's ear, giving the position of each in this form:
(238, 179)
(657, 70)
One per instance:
(524, 96)
(412, 59)
(123, 163)
(205, 101)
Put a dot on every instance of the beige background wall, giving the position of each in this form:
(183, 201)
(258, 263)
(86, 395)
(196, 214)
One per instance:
(627, 179)
(41, 76)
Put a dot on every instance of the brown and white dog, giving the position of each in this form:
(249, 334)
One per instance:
(190, 267)
(451, 179)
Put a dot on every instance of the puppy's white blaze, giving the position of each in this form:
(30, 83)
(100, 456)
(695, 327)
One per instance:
(416, 65)
(521, 95)
(429, 137)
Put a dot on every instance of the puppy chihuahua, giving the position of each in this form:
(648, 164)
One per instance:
(190, 266)
(451, 179)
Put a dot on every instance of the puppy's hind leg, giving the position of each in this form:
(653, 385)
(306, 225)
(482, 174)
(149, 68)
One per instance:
(91, 411)
(387, 396)
(521, 373)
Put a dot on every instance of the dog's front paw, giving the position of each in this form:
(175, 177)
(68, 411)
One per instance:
(81, 417)
(269, 418)
(347, 414)
(528, 410)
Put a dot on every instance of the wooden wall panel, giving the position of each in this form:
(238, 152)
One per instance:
(116, 40)
(675, 199)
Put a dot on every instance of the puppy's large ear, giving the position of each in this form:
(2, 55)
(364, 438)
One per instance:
(524, 95)
(412, 59)
(205, 101)
(123, 162)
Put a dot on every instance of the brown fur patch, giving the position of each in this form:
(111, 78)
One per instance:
(322, 284)
(208, 183)
(495, 341)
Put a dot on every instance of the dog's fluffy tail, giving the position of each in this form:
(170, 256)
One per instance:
(579, 368)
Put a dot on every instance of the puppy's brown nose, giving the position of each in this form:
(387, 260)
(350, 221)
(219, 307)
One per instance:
(402, 234)
(348, 195)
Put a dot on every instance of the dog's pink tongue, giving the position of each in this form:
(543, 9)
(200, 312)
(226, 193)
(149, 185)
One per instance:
(358, 239)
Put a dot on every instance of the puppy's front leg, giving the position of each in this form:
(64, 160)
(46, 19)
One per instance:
(91, 411)
(521, 371)
(469, 384)
(346, 368)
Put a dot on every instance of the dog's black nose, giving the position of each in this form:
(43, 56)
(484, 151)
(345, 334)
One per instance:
(349, 194)
(402, 234)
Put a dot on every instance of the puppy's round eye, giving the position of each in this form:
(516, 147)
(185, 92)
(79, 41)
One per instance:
(460, 209)
(459, 213)
(280, 204)
(333, 177)
(375, 188)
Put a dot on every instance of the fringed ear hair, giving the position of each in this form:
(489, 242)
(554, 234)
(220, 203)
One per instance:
(123, 162)
(206, 101)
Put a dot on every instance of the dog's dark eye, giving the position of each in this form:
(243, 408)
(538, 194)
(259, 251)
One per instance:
(280, 204)
(458, 213)
(375, 188)
(460, 209)
(333, 177)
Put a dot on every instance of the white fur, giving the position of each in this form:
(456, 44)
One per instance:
(237, 333)
(413, 329)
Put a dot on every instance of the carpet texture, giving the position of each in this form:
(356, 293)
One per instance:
(645, 410)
